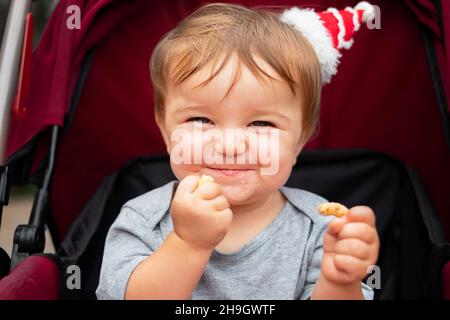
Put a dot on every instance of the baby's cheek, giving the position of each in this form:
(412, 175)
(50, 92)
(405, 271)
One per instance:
(185, 147)
(276, 175)
(182, 171)
(277, 156)
(266, 151)
(183, 158)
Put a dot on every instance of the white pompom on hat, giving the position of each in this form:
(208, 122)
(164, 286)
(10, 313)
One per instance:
(329, 31)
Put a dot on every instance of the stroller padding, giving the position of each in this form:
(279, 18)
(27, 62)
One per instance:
(410, 232)
(36, 278)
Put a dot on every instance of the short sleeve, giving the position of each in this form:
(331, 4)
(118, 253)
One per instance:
(367, 291)
(313, 269)
(127, 244)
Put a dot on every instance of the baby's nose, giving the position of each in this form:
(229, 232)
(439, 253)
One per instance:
(231, 143)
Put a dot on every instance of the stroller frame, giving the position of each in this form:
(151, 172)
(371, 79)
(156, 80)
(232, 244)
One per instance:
(30, 238)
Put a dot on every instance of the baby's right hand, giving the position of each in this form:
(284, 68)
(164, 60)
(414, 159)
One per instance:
(201, 216)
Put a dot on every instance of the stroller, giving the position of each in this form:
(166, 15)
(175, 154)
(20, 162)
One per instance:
(87, 138)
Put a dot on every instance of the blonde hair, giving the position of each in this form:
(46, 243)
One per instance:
(215, 30)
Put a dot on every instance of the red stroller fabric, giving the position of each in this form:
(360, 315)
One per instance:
(36, 278)
(393, 109)
(446, 277)
(428, 15)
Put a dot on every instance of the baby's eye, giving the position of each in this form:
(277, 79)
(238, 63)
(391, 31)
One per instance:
(261, 123)
(200, 120)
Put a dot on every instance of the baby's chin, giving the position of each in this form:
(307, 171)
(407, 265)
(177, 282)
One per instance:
(238, 194)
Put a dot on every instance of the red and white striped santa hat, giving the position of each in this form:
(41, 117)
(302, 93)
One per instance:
(329, 31)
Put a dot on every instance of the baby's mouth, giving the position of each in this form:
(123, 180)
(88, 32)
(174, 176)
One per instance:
(231, 171)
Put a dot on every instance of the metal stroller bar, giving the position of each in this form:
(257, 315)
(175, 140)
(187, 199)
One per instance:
(10, 54)
(9, 66)
(30, 238)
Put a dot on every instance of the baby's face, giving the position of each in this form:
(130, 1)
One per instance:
(248, 141)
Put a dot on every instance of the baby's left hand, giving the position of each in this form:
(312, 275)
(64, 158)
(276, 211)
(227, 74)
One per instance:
(350, 246)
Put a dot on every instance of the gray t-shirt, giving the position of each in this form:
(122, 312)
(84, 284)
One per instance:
(282, 262)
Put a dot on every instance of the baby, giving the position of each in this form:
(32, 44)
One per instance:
(237, 94)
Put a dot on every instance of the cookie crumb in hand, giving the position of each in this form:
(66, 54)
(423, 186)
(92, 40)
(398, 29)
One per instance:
(332, 209)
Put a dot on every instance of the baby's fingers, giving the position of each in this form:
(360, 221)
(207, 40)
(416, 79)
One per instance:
(209, 190)
(336, 225)
(361, 214)
(188, 184)
(225, 216)
(219, 203)
(358, 230)
(353, 247)
(353, 267)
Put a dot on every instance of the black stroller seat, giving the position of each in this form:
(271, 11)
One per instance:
(413, 247)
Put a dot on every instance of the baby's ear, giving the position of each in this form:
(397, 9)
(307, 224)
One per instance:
(298, 149)
(294, 162)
